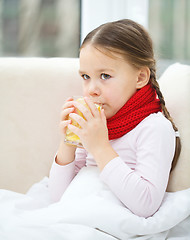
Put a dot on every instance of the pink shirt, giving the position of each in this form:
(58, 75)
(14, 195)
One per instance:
(139, 176)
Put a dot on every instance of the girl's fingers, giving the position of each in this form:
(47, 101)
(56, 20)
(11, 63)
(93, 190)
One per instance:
(74, 129)
(63, 125)
(90, 112)
(69, 99)
(103, 116)
(67, 104)
(81, 121)
(66, 112)
(94, 110)
(83, 109)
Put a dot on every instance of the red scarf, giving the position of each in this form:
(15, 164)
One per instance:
(139, 106)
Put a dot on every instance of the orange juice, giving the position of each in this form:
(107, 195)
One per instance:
(71, 138)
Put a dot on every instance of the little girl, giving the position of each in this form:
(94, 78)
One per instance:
(132, 140)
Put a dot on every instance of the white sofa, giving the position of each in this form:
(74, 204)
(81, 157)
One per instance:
(32, 91)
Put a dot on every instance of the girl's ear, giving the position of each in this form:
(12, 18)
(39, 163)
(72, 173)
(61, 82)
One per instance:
(143, 77)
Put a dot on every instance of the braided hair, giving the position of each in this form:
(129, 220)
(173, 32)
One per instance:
(166, 113)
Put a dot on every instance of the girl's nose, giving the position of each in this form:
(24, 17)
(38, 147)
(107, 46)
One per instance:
(93, 89)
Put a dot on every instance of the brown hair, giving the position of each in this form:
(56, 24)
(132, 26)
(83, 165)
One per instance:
(133, 42)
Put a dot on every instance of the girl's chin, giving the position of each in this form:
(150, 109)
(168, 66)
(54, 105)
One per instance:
(108, 115)
(108, 111)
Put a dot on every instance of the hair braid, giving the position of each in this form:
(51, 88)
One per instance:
(156, 86)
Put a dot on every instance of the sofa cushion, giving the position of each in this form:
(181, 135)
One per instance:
(32, 92)
(175, 86)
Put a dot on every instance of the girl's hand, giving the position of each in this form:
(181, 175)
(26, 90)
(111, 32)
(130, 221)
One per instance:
(66, 110)
(65, 153)
(93, 132)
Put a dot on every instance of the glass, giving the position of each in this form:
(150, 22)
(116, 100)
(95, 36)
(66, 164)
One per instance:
(71, 138)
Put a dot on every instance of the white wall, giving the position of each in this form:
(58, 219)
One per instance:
(97, 12)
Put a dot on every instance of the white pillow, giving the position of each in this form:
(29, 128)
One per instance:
(175, 86)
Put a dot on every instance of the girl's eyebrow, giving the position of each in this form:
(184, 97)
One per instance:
(99, 70)
(105, 70)
(80, 72)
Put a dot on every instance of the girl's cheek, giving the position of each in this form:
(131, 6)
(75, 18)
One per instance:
(85, 92)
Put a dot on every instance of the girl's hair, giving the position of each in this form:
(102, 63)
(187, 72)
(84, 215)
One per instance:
(133, 42)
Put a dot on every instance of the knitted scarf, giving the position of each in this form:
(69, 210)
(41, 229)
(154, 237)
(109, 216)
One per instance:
(139, 106)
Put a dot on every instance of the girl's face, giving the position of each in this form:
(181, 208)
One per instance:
(107, 80)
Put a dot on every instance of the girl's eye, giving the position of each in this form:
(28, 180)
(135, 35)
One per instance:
(85, 76)
(105, 76)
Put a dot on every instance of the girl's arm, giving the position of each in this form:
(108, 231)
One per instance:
(62, 171)
(62, 174)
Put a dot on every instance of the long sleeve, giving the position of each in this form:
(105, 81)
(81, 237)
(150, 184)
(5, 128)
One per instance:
(141, 188)
(61, 176)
